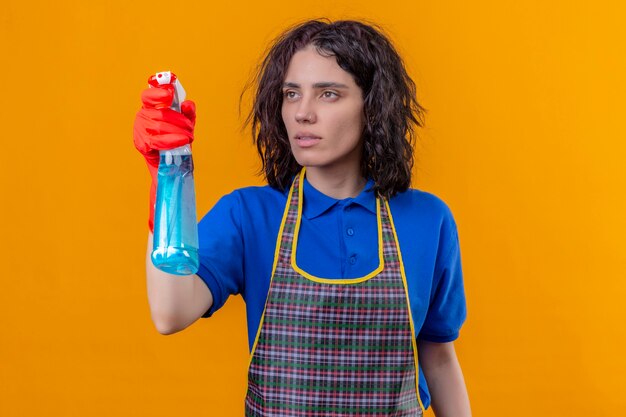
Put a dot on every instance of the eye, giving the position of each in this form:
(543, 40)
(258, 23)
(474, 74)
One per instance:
(288, 94)
(332, 94)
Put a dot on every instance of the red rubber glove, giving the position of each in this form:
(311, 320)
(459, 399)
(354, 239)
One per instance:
(157, 127)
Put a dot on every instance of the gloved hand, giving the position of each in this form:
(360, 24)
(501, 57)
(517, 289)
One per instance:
(157, 127)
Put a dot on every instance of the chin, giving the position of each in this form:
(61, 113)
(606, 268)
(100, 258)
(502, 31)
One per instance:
(306, 160)
(311, 160)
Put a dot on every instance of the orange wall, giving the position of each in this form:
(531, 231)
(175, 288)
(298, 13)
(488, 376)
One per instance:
(524, 140)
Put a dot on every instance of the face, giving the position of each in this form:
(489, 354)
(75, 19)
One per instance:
(323, 112)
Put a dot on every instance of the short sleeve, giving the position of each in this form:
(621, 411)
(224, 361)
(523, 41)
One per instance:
(447, 310)
(221, 251)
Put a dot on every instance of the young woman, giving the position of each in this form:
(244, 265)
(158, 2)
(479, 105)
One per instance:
(352, 280)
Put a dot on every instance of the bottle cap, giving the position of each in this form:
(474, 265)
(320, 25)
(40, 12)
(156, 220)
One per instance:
(169, 78)
(162, 78)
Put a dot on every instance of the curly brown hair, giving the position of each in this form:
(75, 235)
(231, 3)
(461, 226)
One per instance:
(391, 109)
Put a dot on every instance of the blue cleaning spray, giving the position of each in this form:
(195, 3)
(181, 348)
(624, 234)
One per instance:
(175, 245)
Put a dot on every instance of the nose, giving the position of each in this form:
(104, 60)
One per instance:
(305, 112)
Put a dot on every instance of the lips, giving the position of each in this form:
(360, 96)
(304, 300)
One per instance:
(306, 139)
(306, 135)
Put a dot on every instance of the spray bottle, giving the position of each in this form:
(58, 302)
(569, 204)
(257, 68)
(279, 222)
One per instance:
(175, 225)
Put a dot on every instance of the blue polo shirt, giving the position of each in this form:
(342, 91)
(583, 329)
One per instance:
(338, 239)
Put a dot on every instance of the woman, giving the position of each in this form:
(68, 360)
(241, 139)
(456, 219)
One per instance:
(352, 280)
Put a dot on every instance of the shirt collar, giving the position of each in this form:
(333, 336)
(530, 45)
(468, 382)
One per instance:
(316, 203)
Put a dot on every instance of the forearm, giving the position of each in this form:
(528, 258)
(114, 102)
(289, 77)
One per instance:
(175, 301)
(445, 380)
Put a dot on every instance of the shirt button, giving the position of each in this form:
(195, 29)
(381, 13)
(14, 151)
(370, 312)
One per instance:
(352, 259)
(350, 231)
(348, 208)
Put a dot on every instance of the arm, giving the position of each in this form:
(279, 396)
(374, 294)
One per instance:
(445, 380)
(175, 301)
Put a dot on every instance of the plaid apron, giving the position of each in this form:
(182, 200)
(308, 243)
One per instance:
(334, 347)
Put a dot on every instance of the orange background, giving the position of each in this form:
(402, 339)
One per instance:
(525, 141)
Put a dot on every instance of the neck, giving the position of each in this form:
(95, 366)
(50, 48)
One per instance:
(335, 183)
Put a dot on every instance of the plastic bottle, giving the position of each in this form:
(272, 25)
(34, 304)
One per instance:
(175, 226)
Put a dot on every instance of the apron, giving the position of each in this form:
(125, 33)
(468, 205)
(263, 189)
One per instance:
(334, 347)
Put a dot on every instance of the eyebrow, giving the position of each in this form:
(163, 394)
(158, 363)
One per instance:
(317, 85)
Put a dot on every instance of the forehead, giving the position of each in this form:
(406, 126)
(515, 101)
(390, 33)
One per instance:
(307, 66)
